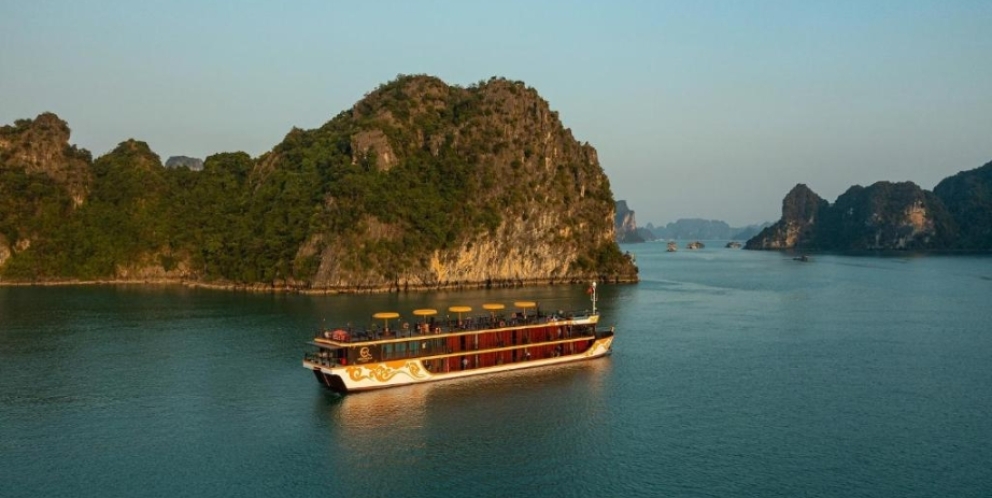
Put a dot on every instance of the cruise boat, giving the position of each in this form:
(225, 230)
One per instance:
(460, 345)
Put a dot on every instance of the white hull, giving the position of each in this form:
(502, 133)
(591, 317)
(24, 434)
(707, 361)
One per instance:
(402, 372)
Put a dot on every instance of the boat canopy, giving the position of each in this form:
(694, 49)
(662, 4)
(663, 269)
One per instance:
(524, 305)
(386, 316)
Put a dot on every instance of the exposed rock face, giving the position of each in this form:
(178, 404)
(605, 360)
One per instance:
(500, 261)
(4, 249)
(41, 146)
(886, 216)
(801, 208)
(626, 224)
(883, 216)
(373, 144)
(150, 269)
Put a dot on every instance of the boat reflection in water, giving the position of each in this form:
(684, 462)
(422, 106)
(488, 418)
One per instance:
(385, 409)
(421, 426)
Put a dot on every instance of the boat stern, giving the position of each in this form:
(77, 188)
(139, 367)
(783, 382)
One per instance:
(352, 378)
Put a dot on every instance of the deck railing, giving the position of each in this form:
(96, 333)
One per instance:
(439, 348)
(321, 358)
(451, 325)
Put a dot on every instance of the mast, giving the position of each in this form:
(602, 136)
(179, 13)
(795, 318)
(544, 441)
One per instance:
(592, 292)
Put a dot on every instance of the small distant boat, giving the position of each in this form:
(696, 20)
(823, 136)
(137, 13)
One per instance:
(347, 361)
(804, 258)
(733, 244)
(694, 245)
(672, 246)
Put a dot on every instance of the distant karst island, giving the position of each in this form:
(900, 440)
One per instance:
(419, 185)
(887, 216)
(683, 229)
(701, 229)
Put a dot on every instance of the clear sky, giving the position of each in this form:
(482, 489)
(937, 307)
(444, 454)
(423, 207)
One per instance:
(698, 109)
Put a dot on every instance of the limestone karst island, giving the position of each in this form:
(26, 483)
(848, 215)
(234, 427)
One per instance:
(956, 217)
(420, 185)
(885, 216)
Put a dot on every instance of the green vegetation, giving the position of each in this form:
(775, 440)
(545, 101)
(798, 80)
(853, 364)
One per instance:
(883, 216)
(415, 167)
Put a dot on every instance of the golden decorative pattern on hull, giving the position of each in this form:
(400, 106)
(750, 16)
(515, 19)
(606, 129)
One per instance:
(384, 372)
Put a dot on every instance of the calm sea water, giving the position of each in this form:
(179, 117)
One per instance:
(734, 373)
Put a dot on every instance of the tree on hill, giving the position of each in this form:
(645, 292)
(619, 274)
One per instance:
(420, 184)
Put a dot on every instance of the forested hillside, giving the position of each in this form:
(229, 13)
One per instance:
(419, 185)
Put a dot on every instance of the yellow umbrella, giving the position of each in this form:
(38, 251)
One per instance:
(525, 305)
(386, 316)
(460, 310)
(493, 307)
(425, 312)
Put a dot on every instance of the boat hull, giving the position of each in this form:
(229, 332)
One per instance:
(379, 375)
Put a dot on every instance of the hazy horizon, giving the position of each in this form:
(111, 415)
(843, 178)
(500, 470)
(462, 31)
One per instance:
(701, 110)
